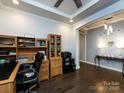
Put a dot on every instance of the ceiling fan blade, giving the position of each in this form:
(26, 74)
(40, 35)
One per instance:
(58, 3)
(78, 3)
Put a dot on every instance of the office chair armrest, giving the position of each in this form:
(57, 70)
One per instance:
(27, 65)
(27, 75)
(73, 64)
(26, 70)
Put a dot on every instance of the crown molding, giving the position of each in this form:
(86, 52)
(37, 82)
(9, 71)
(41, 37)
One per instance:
(84, 8)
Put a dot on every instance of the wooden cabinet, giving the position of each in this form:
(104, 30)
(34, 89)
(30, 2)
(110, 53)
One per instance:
(44, 70)
(55, 66)
(55, 55)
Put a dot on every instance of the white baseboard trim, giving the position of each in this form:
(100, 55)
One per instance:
(107, 67)
(91, 63)
(82, 61)
(77, 67)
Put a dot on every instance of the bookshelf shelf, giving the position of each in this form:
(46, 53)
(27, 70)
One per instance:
(7, 55)
(7, 46)
(34, 47)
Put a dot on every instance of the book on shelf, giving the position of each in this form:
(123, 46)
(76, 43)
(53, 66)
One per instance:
(22, 59)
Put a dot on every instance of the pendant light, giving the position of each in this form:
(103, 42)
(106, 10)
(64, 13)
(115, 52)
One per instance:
(107, 26)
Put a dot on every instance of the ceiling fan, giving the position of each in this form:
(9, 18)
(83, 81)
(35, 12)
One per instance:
(77, 2)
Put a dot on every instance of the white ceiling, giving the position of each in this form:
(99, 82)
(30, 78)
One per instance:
(66, 11)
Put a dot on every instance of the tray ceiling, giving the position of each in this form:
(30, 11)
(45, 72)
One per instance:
(67, 6)
(66, 11)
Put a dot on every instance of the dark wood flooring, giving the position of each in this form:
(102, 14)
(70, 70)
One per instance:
(86, 80)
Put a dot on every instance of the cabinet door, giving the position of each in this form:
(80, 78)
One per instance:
(52, 68)
(58, 46)
(52, 46)
(59, 67)
(44, 70)
(44, 74)
(55, 67)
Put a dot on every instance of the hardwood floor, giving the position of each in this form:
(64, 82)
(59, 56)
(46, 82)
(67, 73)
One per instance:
(86, 80)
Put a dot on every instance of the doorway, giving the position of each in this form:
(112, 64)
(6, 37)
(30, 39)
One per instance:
(82, 46)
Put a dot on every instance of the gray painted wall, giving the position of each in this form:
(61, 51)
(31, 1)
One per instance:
(98, 36)
(17, 23)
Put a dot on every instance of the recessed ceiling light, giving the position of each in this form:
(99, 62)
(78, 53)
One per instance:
(71, 20)
(15, 2)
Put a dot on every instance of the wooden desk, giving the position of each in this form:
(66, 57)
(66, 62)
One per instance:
(44, 70)
(9, 85)
(98, 58)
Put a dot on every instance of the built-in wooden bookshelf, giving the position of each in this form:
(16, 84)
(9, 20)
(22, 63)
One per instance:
(55, 55)
(21, 48)
(25, 48)
(25, 42)
(7, 48)
(28, 47)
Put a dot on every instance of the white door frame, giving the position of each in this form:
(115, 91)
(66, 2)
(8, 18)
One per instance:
(85, 46)
(77, 58)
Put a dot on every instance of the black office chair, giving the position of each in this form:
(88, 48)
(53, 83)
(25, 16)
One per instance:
(28, 74)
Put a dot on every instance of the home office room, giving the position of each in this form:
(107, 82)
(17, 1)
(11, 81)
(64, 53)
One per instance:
(61, 46)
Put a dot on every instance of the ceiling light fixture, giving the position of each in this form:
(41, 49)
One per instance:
(105, 26)
(108, 27)
(15, 2)
(71, 20)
